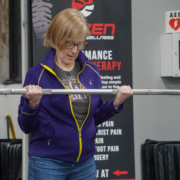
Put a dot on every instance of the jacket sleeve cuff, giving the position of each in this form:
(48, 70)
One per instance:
(113, 109)
(27, 109)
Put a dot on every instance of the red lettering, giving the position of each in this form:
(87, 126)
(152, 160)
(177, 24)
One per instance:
(109, 25)
(113, 64)
(119, 65)
(89, 26)
(109, 65)
(103, 65)
(97, 29)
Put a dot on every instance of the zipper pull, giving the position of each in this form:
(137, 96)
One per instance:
(79, 132)
(48, 142)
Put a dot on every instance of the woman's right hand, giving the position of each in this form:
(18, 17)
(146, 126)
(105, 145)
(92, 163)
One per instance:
(33, 95)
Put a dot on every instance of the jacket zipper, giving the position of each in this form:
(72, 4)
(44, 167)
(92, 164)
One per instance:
(79, 128)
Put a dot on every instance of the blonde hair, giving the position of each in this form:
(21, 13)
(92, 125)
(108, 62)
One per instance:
(66, 25)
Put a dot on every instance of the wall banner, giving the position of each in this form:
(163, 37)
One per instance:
(110, 48)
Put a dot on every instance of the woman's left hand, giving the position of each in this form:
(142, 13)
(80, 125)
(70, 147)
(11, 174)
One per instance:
(124, 92)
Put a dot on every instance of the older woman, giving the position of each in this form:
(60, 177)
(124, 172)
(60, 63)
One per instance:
(64, 126)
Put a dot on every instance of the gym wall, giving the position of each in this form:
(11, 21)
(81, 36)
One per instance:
(155, 117)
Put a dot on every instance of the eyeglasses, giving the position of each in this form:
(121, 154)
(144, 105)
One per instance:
(80, 45)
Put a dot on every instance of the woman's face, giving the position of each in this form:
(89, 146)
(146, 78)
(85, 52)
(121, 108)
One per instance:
(67, 56)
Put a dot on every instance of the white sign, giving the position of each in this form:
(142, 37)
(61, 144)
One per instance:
(172, 21)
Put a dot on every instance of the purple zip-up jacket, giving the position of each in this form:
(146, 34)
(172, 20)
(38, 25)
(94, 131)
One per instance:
(56, 133)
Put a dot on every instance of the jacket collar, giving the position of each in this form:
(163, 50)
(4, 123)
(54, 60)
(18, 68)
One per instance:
(49, 59)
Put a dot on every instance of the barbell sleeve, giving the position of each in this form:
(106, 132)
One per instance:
(93, 91)
(156, 92)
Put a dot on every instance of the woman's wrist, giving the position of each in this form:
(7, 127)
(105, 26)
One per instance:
(33, 104)
(117, 103)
